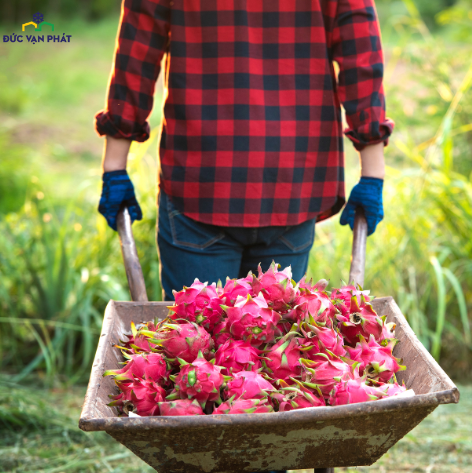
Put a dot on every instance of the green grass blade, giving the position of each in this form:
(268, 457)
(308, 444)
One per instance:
(441, 308)
(461, 303)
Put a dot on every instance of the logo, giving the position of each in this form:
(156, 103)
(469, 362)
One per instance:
(38, 23)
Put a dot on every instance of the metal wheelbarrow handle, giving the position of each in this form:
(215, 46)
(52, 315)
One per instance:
(359, 241)
(134, 272)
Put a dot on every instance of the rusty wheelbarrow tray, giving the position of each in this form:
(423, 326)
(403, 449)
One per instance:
(320, 437)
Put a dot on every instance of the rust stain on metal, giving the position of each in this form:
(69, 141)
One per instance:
(352, 435)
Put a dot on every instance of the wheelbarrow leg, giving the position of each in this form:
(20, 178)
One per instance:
(324, 470)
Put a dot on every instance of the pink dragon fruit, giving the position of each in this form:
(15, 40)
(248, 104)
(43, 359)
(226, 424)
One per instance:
(353, 390)
(282, 361)
(198, 303)
(237, 287)
(181, 407)
(317, 304)
(320, 286)
(150, 366)
(391, 389)
(200, 380)
(362, 320)
(221, 333)
(324, 374)
(277, 287)
(376, 361)
(284, 326)
(140, 396)
(251, 319)
(237, 355)
(342, 297)
(181, 340)
(279, 346)
(248, 385)
(321, 340)
(388, 330)
(243, 406)
(296, 397)
(138, 343)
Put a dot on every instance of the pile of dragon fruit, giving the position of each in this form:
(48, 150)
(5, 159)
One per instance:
(258, 344)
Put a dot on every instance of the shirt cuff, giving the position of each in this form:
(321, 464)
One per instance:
(104, 125)
(370, 133)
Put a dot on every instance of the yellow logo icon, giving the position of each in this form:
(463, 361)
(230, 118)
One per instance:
(30, 23)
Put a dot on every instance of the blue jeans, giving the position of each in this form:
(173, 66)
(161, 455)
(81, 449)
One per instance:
(189, 249)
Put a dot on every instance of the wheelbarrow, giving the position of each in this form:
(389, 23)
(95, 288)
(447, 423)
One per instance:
(320, 437)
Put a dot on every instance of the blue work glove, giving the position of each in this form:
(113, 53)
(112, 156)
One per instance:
(117, 192)
(367, 193)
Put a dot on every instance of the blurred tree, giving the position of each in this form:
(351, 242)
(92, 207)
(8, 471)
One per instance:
(459, 17)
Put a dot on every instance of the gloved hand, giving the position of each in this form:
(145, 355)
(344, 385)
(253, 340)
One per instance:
(367, 193)
(118, 191)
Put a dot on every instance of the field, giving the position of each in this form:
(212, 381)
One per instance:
(60, 264)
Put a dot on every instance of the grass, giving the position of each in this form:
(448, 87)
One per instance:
(39, 433)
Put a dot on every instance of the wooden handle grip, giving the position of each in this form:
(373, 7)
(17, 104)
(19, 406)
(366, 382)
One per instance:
(134, 273)
(359, 241)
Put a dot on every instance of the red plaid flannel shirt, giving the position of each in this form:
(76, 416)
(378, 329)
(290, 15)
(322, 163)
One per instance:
(252, 134)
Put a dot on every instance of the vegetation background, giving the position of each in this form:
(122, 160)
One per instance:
(60, 264)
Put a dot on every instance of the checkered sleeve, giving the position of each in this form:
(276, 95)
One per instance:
(141, 43)
(356, 47)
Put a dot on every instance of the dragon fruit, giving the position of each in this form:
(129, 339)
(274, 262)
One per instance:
(237, 287)
(140, 396)
(317, 304)
(259, 344)
(293, 397)
(221, 333)
(393, 389)
(180, 407)
(284, 326)
(321, 340)
(150, 366)
(243, 406)
(251, 319)
(200, 380)
(324, 374)
(342, 297)
(376, 361)
(362, 320)
(282, 360)
(248, 385)
(237, 355)
(353, 390)
(137, 343)
(321, 285)
(388, 330)
(181, 340)
(277, 288)
(198, 303)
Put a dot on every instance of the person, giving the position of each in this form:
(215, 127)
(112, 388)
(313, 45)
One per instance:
(251, 148)
(251, 152)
